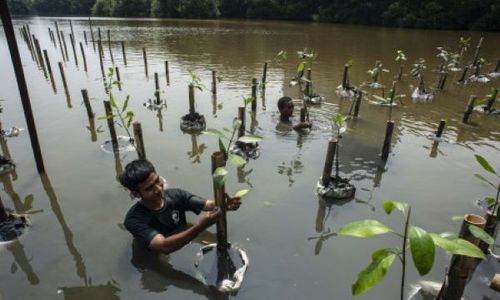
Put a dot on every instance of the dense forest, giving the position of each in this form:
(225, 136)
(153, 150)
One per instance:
(441, 14)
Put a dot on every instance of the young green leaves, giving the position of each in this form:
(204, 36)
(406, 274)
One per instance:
(493, 205)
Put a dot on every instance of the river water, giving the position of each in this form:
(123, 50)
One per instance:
(77, 247)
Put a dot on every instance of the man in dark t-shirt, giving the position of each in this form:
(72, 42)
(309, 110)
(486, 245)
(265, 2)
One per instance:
(158, 219)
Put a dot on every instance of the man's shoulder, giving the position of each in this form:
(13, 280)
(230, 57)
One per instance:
(175, 193)
(136, 211)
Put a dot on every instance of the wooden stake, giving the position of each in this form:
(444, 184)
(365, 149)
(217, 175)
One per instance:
(167, 72)
(214, 82)
(3, 212)
(21, 83)
(491, 100)
(219, 196)
(191, 99)
(157, 89)
(99, 50)
(49, 68)
(53, 38)
(145, 61)
(40, 57)
(345, 80)
(308, 89)
(63, 77)
(241, 117)
(470, 108)
(65, 47)
(91, 33)
(118, 78)
(109, 46)
(264, 75)
(387, 141)
(359, 96)
(86, 101)
(254, 96)
(123, 53)
(302, 115)
(464, 73)
(84, 58)
(111, 124)
(461, 266)
(139, 140)
(439, 132)
(85, 38)
(330, 155)
(71, 37)
(476, 55)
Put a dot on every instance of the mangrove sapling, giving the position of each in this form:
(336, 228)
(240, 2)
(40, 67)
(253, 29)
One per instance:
(376, 74)
(421, 245)
(193, 121)
(389, 101)
(400, 57)
(492, 203)
(495, 73)
(420, 93)
(486, 105)
(345, 89)
(477, 69)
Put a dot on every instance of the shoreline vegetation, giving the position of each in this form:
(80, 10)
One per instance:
(478, 15)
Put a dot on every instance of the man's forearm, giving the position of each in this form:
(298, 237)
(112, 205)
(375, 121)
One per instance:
(175, 242)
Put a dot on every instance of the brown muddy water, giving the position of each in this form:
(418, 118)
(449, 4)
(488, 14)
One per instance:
(77, 247)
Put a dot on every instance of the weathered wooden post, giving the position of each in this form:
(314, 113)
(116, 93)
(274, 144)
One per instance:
(264, 75)
(74, 50)
(118, 78)
(469, 109)
(491, 100)
(167, 72)
(99, 50)
(214, 82)
(83, 56)
(387, 140)
(440, 129)
(123, 53)
(145, 61)
(157, 89)
(66, 90)
(111, 124)
(21, 83)
(330, 155)
(85, 37)
(254, 96)
(345, 79)
(461, 266)
(65, 46)
(50, 35)
(86, 101)
(476, 54)
(40, 57)
(307, 90)
(191, 99)
(72, 36)
(302, 115)
(91, 33)
(359, 96)
(218, 161)
(49, 68)
(139, 141)
(464, 73)
(109, 46)
(241, 117)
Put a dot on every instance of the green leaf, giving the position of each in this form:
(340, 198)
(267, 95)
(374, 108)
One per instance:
(248, 100)
(114, 103)
(105, 117)
(484, 163)
(241, 193)
(422, 249)
(481, 177)
(219, 177)
(389, 206)
(489, 200)
(481, 234)
(125, 105)
(247, 139)
(237, 160)
(215, 132)
(364, 228)
(300, 67)
(457, 246)
(236, 124)
(382, 259)
(222, 147)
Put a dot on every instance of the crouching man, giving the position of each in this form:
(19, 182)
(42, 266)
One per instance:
(158, 218)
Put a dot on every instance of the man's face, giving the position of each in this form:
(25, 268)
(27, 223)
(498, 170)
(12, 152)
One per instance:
(287, 110)
(151, 190)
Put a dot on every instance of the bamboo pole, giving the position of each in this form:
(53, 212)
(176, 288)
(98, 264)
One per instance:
(327, 168)
(476, 54)
(123, 53)
(111, 124)
(461, 266)
(491, 100)
(214, 82)
(219, 196)
(308, 83)
(91, 33)
(139, 140)
(464, 73)
(469, 109)
(191, 99)
(21, 83)
(440, 129)
(359, 96)
(167, 72)
(71, 37)
(254, 96)
(145, 61)
(85, 38)
(40, 57)
(387, 141)
(65, 46)
(84, 58)
(157, 89)
(99, 50)
(241, 117)
(118, 78)
(86, 101)
(109, 46)
(66, 90)
(264, 75)
(49, 68)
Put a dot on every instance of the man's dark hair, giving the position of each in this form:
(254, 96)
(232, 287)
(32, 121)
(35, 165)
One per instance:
(136, 172)
(283, 101)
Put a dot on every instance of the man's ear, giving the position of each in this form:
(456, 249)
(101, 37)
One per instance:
(136, 194)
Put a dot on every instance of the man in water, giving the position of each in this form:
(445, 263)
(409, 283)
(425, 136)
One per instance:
(158, 219)
(285, 107)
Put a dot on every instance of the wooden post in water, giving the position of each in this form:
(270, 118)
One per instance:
(49, 68)
(21, 83)
(254, 96)
(99, 36)
(476, 54)
(167, 72)
(139, 141)
(191, 99)
(307, 90)
(491, 100)
(72, 38)
(469, 109)
(145, 61)
(86, 101)
(264, 75)
(111, 124)
(442, 81)
(387, 140)
(53, 38)
(218, 161)
(123, 53)
(345, 80)
(63, 77)
(461, 266)
(157, 89)
(241, 117)
(118, 78)
(65, 46)
(330, 155)
(214, 82)
(83, 56)
(302, 115)
(85, 37)
(40, 57)
(99, 50)
(91, 33)
(359, 96)
(109, 46)
(440, 129)
(464, 73)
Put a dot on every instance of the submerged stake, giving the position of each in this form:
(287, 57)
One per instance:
(86, 101)
(254, 95)
(111, 124)
(264, 75)
(387, 140)
(470, 108)
(145, 61)
(191, 99)
(157, 89)
(84, 58)
(241, 117)
(219, 195)
(167, 72)
(49, 68)
(359, 96)
(440, 130)
(109, 46)
(123, 53)
(139, 140)
(330, 155)
(214, 82)
(74, 50)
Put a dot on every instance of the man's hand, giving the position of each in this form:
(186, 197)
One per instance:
(232, 203)
(208, 218)
(301, 125)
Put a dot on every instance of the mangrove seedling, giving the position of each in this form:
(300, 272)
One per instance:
(125, 116)
(195, 81)
(463, 45)
(306, 58)
(477, 69)
(418, 72)
(345, 89)
(389, 101)
(400, 57)
(491, 202)
(375, 73)
(421, 245)
(486, 105)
